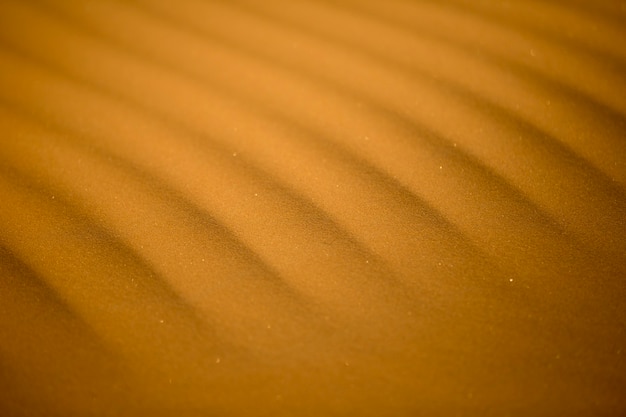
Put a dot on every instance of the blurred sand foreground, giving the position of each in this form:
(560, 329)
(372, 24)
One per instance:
(312, 208)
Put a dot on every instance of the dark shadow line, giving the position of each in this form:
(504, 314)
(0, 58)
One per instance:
(539, 137)
(81, 219)
(481, 101)
(17, 263)
(426, 207)
(444, 218)
(445, 221)
(302, 203)
(599, 109)
(457, 90)
(495, 60)
(312, 132)
(600, 12)
(189, 131)
(610, 116)
(615, 62)
(173, 195)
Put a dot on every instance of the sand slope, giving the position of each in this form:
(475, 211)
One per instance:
(312, 208)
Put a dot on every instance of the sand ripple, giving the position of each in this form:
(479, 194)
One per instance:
(312, 207)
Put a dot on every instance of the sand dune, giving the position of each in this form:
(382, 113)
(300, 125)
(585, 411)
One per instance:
(312, 207)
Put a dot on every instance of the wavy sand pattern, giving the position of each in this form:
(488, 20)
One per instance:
(312, 207)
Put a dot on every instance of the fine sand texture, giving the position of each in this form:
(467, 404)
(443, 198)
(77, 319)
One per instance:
(312, 208)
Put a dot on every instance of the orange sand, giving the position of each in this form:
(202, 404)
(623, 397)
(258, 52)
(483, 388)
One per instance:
(311, 207)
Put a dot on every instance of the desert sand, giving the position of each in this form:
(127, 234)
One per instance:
(312, 207)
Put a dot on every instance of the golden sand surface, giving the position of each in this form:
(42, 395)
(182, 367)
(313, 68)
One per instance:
(312, 208)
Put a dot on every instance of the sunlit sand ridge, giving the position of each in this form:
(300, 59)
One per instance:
(312, 208)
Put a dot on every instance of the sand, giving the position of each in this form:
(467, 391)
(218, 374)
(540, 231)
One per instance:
(343, 208)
